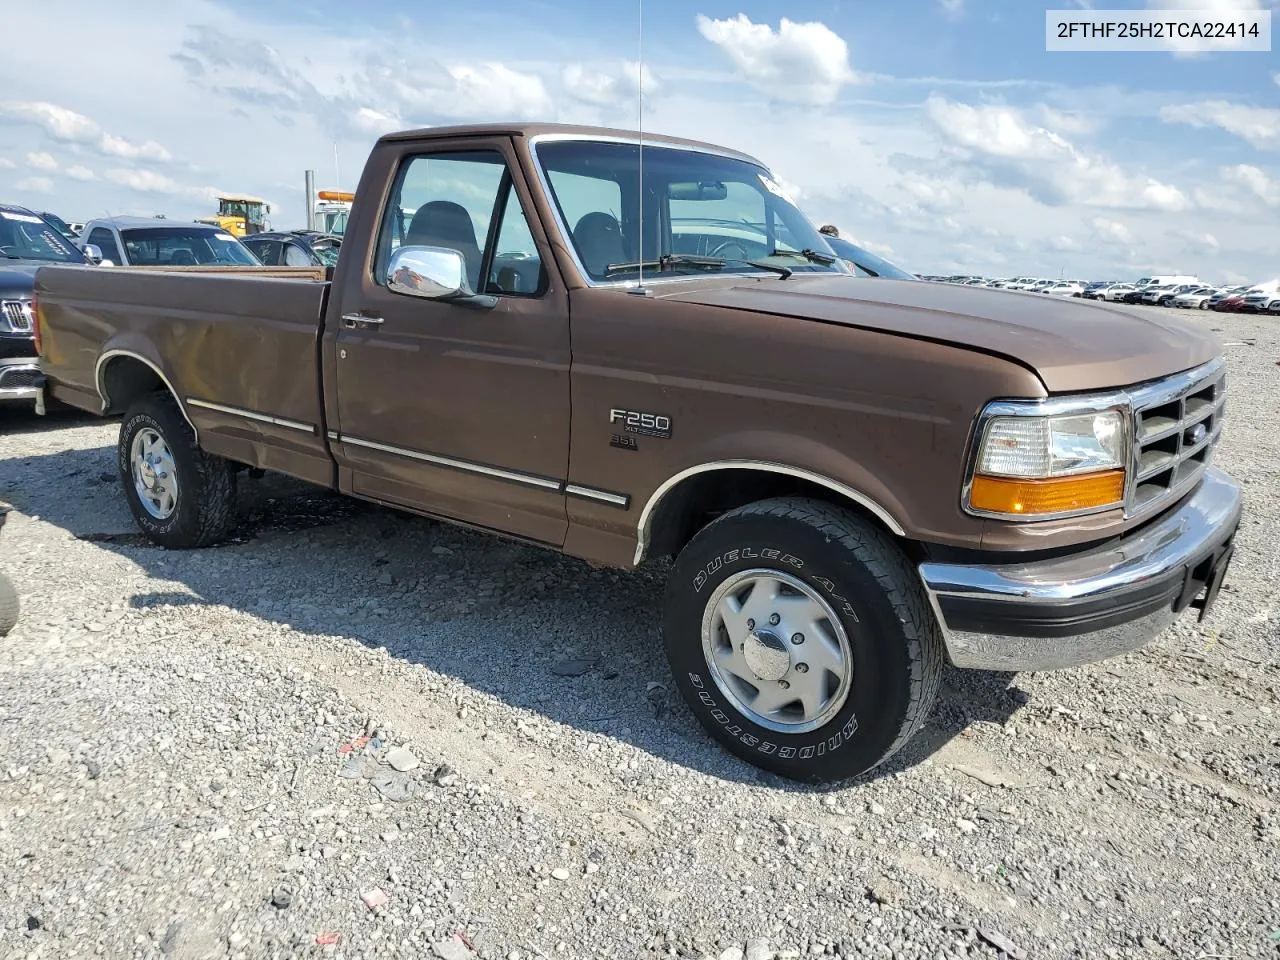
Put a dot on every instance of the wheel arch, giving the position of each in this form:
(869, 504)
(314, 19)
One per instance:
(122, 375)
(681, 505)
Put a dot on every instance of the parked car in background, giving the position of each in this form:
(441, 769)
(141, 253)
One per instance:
(1039, 286)
(27, 242)
(66, 229)
(1117, 291)
(297, 248)
(1065, 288)
(864, 263)
(1273, 306)
(1194, 299)
(1228, 300)
(155, 242)
(1165, 297)
(1257, 299)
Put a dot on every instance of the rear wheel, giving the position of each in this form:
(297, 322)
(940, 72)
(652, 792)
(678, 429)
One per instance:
(179, 495)
(801, 638)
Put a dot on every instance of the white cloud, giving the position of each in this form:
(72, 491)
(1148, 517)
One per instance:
(58, 122)
(376, 122)
(41, 161)
(802, 62)
(67, 126)
(1111, 231)
(1255, 181)
(605, 89)
(1259, 126)
(496, 89)
(7, 164)
(148, 181)
(1063, 244)
(81, 173)
(932, 195)
(35, 185)
(952, 8)
(119, 147)
(1000, 141)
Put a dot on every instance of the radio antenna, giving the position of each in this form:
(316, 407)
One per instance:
(640, 104)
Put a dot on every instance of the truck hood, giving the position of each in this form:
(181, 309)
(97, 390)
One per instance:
(17, 278)
(1072, 345)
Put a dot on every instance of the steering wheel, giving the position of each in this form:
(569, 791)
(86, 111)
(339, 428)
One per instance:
(719, 251)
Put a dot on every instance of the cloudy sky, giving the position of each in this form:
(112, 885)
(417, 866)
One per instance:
(938, 132)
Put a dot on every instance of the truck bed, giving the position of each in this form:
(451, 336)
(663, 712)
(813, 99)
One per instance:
(239, 349)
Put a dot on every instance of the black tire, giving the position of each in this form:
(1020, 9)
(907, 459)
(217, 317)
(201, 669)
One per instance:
(9, 607)
(205, 503)
(895, 641)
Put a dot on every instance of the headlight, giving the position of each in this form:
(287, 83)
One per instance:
(1036, 466)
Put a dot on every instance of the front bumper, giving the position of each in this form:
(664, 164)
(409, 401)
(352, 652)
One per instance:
(1084, 607)
(20, 378)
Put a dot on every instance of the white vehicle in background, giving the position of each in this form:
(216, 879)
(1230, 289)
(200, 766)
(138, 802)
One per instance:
(1115, 292)
(1195, 299)
(1260, 297)
(332, 209)
(1065, 288)
(1040, 286)
(1019, 283)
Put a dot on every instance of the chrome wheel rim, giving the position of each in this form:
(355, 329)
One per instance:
(155, 475)
(777, 651)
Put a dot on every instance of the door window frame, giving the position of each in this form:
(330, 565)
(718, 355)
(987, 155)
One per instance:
(403, 161)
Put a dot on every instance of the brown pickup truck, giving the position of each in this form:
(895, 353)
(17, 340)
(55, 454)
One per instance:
(635, 350)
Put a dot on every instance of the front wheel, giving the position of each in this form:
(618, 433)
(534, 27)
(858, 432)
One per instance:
(180, 496)
(9, 606)
(800, 636)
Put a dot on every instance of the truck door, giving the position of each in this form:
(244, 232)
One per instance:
(456, 409)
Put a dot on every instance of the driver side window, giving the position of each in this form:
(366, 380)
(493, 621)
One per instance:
(104, 240)
(464, 202)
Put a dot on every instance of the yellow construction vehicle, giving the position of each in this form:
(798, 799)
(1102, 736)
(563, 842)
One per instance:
(240, 215)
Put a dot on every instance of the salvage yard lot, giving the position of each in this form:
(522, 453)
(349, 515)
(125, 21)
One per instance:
(183, 774)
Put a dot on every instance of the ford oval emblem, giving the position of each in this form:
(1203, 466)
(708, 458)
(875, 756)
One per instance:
(1198, 433)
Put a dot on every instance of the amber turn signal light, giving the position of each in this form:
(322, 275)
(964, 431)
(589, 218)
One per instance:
(1020, 498)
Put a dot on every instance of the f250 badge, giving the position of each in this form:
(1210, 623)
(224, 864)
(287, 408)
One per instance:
(644, 424)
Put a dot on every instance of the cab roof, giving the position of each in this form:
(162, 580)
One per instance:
(563, 130)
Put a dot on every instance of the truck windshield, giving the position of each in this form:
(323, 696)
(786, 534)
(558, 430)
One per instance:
(184, 247)
(701, 211)
(24, 236)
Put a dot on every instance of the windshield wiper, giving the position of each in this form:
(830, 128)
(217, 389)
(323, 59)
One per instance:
(668, 260)
(813, 256)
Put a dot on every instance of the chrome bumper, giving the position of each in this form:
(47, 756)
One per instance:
(20, 379)
(1084, 607)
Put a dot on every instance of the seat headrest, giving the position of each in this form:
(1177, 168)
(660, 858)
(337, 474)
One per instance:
(599, 239)
(441, 221)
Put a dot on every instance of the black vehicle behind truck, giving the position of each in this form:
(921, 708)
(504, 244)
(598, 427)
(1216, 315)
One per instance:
(27, 242)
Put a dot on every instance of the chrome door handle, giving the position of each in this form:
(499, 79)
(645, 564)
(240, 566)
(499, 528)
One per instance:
(355, 320)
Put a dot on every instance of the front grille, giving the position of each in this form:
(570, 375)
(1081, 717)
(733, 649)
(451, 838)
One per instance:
(18, 313)
(1176, 425)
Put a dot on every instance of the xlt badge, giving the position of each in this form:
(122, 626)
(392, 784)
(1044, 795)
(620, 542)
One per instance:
(645, 424)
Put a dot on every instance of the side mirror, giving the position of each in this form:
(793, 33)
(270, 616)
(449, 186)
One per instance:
(93, 253)
(434, 273)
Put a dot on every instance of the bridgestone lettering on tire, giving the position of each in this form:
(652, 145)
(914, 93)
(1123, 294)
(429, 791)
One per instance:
(868, 629)
(203, 508)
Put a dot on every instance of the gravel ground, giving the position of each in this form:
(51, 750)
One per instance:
(184, 770)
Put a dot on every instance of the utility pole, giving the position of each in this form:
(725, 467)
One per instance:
(311, 200)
